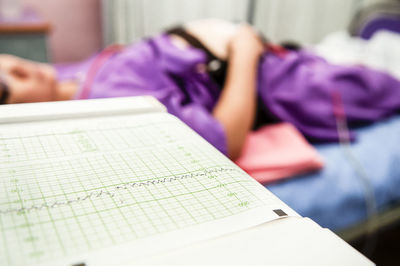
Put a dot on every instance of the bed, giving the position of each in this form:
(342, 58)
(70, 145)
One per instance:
(337, 197)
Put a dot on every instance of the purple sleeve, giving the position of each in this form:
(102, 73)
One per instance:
(139, 71)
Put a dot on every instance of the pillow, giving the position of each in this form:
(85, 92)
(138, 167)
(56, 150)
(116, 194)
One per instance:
(278, 151)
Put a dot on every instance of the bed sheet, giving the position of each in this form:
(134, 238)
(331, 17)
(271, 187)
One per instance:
(334, 197)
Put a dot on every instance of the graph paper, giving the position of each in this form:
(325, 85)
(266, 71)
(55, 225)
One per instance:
(71, 187)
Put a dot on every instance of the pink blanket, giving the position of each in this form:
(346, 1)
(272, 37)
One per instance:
(278, 151)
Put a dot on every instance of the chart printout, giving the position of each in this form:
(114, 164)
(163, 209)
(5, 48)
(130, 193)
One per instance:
(69, 187)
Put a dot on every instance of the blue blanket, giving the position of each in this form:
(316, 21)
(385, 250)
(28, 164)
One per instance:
(334, 197)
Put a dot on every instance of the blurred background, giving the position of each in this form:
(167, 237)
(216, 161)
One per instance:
(78, 28)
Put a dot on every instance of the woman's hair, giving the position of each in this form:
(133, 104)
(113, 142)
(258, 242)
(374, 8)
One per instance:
(4, 91)
(291, 45)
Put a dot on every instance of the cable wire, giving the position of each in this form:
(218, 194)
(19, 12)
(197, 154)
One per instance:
(369, 194)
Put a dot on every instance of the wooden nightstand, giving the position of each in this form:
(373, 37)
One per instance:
(25, 37)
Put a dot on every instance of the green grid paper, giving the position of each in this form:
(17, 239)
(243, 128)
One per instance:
(53, 162)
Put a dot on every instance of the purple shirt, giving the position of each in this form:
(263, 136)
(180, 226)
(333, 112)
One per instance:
(297, 88)
(300, 89)
(150, 67)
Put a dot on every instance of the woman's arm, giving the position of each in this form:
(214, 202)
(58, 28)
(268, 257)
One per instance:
(235, 109)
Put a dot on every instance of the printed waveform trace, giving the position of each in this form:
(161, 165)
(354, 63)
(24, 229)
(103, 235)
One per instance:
(113, 192)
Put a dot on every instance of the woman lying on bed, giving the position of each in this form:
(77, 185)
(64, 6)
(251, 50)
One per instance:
(218, 78)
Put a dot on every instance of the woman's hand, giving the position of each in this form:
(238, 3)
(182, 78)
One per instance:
(246, 41)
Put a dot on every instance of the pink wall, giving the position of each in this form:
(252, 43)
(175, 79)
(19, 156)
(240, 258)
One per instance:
(76, 27)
